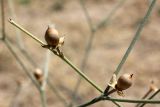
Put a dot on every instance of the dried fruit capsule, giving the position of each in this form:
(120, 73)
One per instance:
(153, 86)
(38, 74)
(51, 36)
(124, 82)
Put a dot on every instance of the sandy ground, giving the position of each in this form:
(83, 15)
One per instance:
(109, 45)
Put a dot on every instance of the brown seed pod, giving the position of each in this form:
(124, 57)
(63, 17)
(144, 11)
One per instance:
(153, 87)
(51, 36)
(38, 74)
(124, 82)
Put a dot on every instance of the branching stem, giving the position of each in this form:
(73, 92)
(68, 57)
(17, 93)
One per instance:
(62, 57)
(135, 38)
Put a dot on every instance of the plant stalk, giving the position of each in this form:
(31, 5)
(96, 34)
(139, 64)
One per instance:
(63, 58)
(135, 38)
(3, 19)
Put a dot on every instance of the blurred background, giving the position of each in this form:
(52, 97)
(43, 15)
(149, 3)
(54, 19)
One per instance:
(109, 44)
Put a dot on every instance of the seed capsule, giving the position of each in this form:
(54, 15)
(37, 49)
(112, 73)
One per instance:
(38, 74)
(51, 36)
(153, 87)
(124, 82)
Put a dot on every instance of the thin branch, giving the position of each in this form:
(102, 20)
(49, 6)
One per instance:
(25, 31)
(48, 82)
(46, 69)
(29, 57)
(102, 98)
(105, 21)
(117, 104)
(17, 92)
(82, 74)
(126, 54)
(145, 96)
(45, 78)
(20, 42)
(95, 100)
(132, 101)
(62, 57)
(51, 87)
(91, 38)
(57, 93)
(18, 34)
(24, 52)
(43, 98)
(89, 20)
(10, 48)
(83, 65)
(136, 37)
(152, 96)
(3, 19)
(42, 94)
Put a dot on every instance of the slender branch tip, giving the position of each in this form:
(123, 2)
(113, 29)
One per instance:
(10, 20)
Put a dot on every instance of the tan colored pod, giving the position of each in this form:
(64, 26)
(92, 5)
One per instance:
(124, 82)
(38, 74)
(51, 36)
